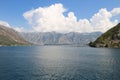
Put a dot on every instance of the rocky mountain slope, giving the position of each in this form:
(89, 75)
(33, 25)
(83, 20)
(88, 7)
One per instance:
(111, 38)
(54, 38)
(8, 37)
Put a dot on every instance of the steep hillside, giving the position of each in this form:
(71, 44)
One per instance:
(8, 37)
(111, 38)
(54, 38)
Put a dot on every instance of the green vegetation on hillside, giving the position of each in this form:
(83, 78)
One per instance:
(109, 39)
(4, 40)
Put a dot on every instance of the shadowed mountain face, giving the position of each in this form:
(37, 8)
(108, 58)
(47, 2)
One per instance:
(111, 38)
(54, 38)
(8, 37)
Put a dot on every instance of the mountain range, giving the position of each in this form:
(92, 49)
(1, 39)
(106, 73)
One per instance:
(9, 36)
(111, 38)
(54, 38)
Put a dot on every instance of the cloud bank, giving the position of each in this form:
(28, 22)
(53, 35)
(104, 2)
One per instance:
(47, 19)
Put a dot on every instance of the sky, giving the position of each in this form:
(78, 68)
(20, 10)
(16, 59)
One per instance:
(60, 15)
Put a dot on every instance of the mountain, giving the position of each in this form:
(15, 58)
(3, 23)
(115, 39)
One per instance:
(8, 37)
(111, 38)
(54, 38)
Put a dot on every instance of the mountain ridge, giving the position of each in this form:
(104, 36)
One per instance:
(111, 38)
(55, 38)
(10, 37)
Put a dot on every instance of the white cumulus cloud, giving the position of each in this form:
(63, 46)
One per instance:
(19, 29)
(115, 11)
(4, 23)
(51, 18)
(101, 21)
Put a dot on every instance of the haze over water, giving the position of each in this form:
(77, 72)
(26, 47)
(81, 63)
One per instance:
(59, 63)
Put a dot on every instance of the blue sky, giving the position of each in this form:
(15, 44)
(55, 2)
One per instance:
(12, 11)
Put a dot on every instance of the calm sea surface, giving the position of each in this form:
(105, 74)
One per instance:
(59, 63)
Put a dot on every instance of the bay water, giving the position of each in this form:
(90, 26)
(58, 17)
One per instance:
(59, 63)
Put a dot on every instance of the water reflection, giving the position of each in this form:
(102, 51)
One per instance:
(59, 63)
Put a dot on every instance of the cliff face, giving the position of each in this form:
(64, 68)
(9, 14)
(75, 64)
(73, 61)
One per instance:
(111, 38)
(8, 37)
